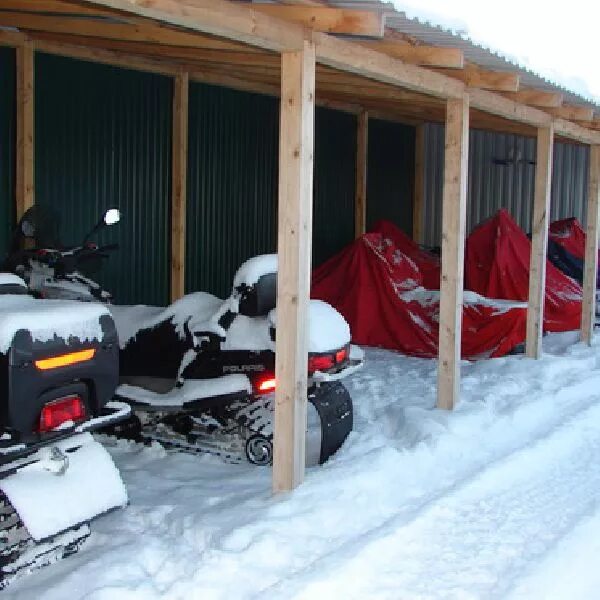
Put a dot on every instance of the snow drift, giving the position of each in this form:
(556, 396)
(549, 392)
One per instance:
(377, 284)
(497, 257)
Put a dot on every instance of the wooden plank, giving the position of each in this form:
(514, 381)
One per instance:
(588, 315)
(362, 161)
(476, 77)
(49, 6)
(570, 112)
(25, 182)
(220, 18)
(328, 19)
(179, 184)
(296, 142)
(508, 109)
(353, 58)
(419, 186)
(454, 216)
(539, 241)
(432, 56)
(539, 98)
(576, 132)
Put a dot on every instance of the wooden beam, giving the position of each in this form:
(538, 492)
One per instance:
(570, 112)
(328, 19)
(25, 175)
(576, 132)
(296, 141)
(220, 18)
(419, 184)
(539, 241)
(539, 98)
(476, 77)
(179, 184)
(454, 216)
(431, 56)
(353, 58)
(590, 273)
(362, 161)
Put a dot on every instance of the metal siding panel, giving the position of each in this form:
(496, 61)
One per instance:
(334, 180)
(103, 138)
(7, 146)
(232, 183)
(434, 183)
(390, 179)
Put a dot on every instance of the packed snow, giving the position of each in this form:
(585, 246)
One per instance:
(498, 499)
(254, 268)
(10, 279)
(69, 489)
(47, 319)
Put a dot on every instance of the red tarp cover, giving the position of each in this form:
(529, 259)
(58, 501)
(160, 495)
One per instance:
(497, 265)
(375, 285)
(570, 235)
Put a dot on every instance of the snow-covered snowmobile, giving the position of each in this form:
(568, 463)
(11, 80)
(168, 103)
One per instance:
(52, 270)
(58, 374)
(201, 344)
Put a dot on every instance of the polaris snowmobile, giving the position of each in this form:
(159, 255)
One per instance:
(51, 270)
(58, 374)
(173, 359)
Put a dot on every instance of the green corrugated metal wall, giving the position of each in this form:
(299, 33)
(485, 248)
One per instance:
(390, 178)
(232, 183)
(103, 138)
(7, 146)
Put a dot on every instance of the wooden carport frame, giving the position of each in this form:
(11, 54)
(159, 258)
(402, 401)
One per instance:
(301, 49)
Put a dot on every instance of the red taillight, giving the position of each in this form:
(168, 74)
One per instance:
(341, 355)
(57, 412)
(266, 385)
(321, 363)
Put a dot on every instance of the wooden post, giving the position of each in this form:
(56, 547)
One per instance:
(362, 161)
(179, 183)
(539, 241)
(454, 214)
(296, 141)
(588, 315)
(419, 186)
(25, 184)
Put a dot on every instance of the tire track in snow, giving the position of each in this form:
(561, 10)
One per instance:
(478, 540)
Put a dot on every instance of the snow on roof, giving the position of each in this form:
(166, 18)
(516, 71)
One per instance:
(432, 27)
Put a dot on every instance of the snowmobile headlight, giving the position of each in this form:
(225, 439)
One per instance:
(64, 360)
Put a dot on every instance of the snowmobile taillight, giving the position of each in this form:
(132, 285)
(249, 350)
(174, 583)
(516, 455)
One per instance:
(57, 412)
(266, 385)
(64, 360)
(322, 362)
(341, 355)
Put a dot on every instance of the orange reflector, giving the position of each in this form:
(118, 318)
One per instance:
(64, 360)
(268, 385)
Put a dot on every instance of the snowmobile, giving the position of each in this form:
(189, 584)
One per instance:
(51, 270)
(58, 374)
(200, 374)
(201, 345)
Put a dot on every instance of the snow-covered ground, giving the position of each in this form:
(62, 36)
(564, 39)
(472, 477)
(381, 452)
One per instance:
(499, 499)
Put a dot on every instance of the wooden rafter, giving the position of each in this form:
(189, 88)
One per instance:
(539, 98)
(476, 77)
(432, 56)
(572, 112)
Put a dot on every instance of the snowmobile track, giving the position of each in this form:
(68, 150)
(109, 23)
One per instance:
(326, 566)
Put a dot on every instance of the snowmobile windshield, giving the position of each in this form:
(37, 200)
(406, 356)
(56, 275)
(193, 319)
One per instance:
(40, 224)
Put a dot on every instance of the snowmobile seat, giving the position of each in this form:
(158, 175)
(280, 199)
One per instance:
(11, 284)
(260, 299)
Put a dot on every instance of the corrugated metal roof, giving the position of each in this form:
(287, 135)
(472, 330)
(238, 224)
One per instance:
(435, 35)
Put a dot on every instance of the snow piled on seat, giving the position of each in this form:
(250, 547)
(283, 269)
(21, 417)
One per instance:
(47, 319)
(254, 268)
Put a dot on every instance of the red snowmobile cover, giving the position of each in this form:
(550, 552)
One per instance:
(376, 287)
(427, 263)
(497, 265)
(570, 235)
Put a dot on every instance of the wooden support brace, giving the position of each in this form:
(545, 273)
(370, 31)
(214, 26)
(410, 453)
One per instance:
(25, 185)
(179, 184)
(588, 316)
(539, 241)
(454, 215)
(419, 185)
(296, 142)
(362, 153)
